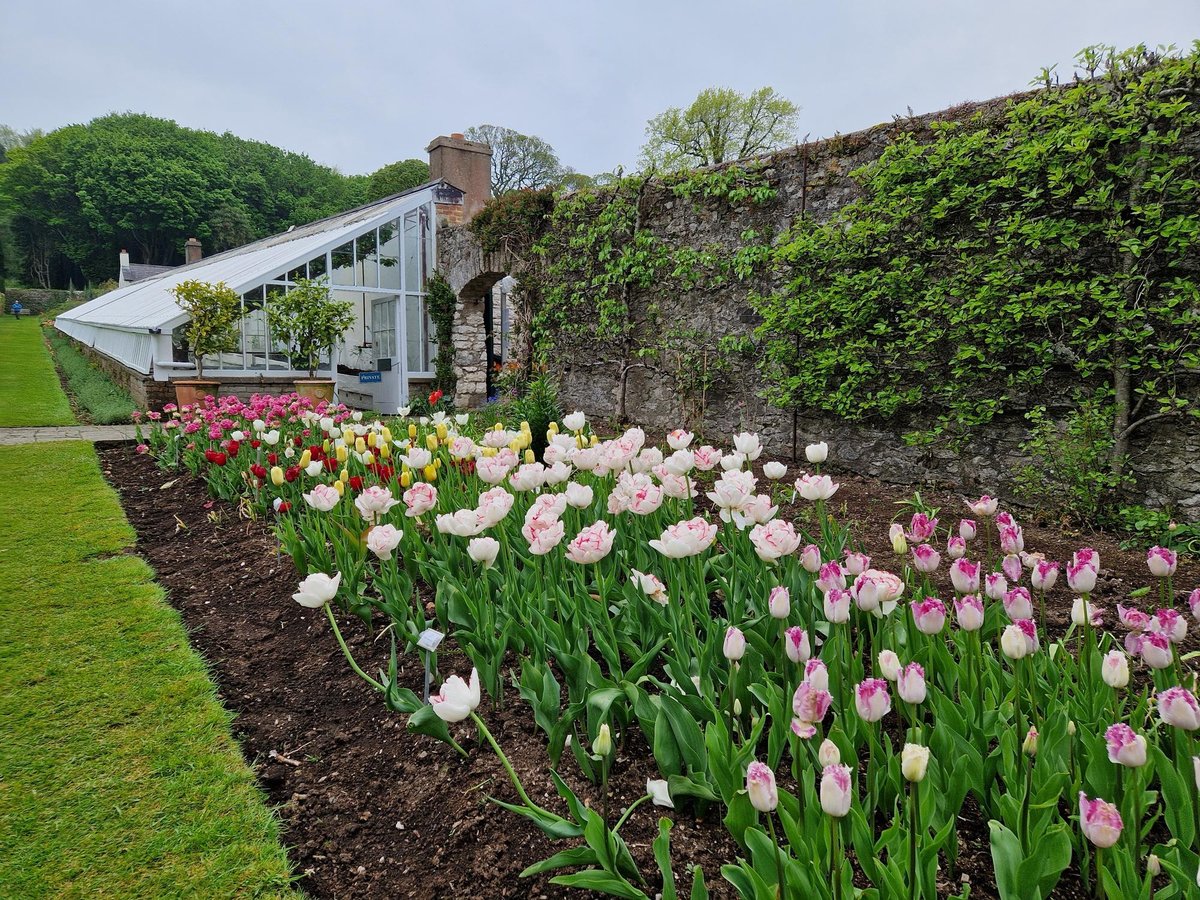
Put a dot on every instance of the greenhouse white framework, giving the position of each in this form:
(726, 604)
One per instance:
(377, 256)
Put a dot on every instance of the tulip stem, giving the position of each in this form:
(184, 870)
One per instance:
(1100, 873)
(914, 826)
(835, 878)
(782, 887)
(483, 729)
(337, 632)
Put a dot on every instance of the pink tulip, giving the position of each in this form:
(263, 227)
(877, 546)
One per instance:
(1156, 651)
(1100, 821)
(1017, 604)
(1125, 747)
(779, 603)
(810, 704)
(964, 575)
(1011, 566)
(995, 585)
(984, 506)
(956, 547)
(420, 498)
(543, 540)
(889, 664)
(1169, 622)
(1044, 575)
(707, 458)
(592, 544)
(735, 644)
(816, 487)
(837, 790)
(921, 528)
(1161, 561)
(810, 558)
(872, 700)
(1012, 540)
(685, 539)
(969, 612)
(1178, 707)
(910, 685)
(775, 539)
(832, 576)
(795, 643)
(760, 786)
(1133, 619)
(967, 529)
(1081, 578)
(877, 592)
(929, 615)
(837, 606)
(856, 563)
(816, 674)
(926, 559)
(1194, 603)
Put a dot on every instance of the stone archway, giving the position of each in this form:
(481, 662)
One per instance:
(471, 273)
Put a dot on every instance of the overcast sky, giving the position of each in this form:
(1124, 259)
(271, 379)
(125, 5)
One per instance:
(358, 85)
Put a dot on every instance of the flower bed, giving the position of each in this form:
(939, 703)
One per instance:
(721, 645)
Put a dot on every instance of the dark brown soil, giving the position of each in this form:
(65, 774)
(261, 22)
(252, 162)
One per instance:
(370, 810)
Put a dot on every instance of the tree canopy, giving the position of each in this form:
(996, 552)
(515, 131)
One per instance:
(519, 161)
(79, 194)
(720, 125)
(396, 178)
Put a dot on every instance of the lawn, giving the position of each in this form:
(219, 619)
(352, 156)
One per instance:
(118, 774)
(29, 388)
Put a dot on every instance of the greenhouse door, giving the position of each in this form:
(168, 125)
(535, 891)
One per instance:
(389, 357)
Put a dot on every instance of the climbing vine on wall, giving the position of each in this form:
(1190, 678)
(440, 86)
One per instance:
(442, 305)
(1062, 238)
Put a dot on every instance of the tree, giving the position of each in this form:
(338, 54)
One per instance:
(213, 311)
(518, 160)
(721, 125)
(309, 322)
(396, 178)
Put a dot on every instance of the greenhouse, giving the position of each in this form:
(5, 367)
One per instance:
(378, 256)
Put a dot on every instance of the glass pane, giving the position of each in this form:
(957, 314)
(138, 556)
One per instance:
(427, 257)
(343, 264)
(254, 330)
(389, 255)
(277, 356)
(430, 343)
(383, 328)
(412, 252)
(297, 273)
(316, 267)
(414, 323)
(368, 262)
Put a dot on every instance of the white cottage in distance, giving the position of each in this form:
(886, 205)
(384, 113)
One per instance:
(378, 256)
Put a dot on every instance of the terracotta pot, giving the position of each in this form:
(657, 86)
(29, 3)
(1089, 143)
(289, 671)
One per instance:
(315, 389)
(192, 391)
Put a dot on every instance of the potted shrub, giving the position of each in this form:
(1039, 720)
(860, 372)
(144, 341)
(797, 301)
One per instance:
(309, 322)
(213, 311)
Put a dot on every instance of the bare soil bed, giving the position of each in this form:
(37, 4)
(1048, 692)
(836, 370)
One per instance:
(372, 811)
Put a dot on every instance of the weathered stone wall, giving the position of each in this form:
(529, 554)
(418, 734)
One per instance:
(812, 180)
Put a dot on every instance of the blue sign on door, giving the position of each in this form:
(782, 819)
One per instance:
(370, 377)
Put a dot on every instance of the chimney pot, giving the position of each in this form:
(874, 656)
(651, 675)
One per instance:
(458, 136)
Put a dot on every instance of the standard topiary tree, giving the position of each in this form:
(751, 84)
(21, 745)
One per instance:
(214, 310)
(308, 321)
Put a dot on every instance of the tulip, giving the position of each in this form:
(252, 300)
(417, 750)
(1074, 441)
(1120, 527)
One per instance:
(383, 539)
(1114, 669)
(1044, 575)
(810, 703)
(322, 497)
(795, 643)
(929, 615)
(872, 700)
(651, 586)
(810, 559)
(483, 550)
(1011, 566)
(592, 544)
(816, 487)
(760, 786)
(1178, 707)
(964, 575)
(984, 506)
(774, 470)
(748, 445)
(1154, 867)
(1161, 561)
(685, 538)
(602, 745)
(889, 665)
(659, 792)
(914, 761)
(317, 589)
(836, 790)
(575, 421)
(817, 453)
(544, 539)
(816, 674)
(1018, 604)
(1156, 651)
(277, 476)
(831, 577)
(779, 603)
(734, 647)
(899, 541)
(828, 753)
(1100, 821)
(969, 613)
(1125, 747)
(995, 585)
(374, 502)
(1196, 770)
(956, 547)
(1170, 623)
(1194, 603)
(856, 563)
(1013, 643)
(1030, 745)
(967, 529)
(774, 540)
(457, 699)
(910, 684)
(922, 527)
(419, 499)
(837, 606)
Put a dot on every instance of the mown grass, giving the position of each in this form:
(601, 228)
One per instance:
(101, 401)
(29, 389)
(118, 774)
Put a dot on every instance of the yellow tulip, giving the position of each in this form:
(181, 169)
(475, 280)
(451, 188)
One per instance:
(344, 475)
(442, 431)
(515, 445)
(431, 442)
(438, 463)
(499, 426)
(340, 487)
(554, 428)
(489, 451)
(594, 441)
(529, 457)
(385, 451)
(325, 445)
(305, 459)
(405, 479)
(430, 472)
(412, 430)
(524, 426)
(370, 439)
(387, 435)
(368, 458)
(342, 453)
(360, 446)
(276, 476)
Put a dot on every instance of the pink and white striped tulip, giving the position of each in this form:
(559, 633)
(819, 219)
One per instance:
(1044, 575)
(984, 506)
(929, 615)
(1169, 622)
(1125, 746)
(816, 487)
(969, 612)
(956, 547)
(856, 563)
(910, 685)
(685, 539)
(1011, 567)
(1178, 707)
(779, 602)
(967, 529)
(1161, 561)
(383, 539)
(810, 559)
(922, 528)
(837, 790)
(1100, 821)
(831, 577)
(817, 674)
(1156, 651)
(796, 645)
(1018, 604)
(926, 559)
(774, 540)
(837, 606)
(760, 786)
(810, 703)
(872, 699)
(964, 575)
(592, 544)
(995, 585)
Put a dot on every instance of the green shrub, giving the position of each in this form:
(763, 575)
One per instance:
(90, 389)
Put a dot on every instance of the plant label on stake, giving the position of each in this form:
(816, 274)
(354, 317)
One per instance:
(429, 640)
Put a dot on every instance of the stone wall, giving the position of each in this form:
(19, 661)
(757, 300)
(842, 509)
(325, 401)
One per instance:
(814, 181)
(38, 300)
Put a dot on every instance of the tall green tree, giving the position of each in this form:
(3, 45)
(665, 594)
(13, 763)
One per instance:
(519, 161)
(396, 178)
(720, 125)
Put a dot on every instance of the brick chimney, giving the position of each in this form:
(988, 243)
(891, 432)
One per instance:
(465, 164)
(122, 267)
(192, 251)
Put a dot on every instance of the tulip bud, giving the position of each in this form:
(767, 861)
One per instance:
(779, 603)
(360, 446)
(368, 458)
(276, 476)
(412, 431)
(760, 786)
(735, 644)
(442, 431)
(342, 453)
(899, 543)
(430, 472)
(1154, 867)
(387, 435)
(1013, 643)
(837, 791)
(385, 451)
(305, 458)
(889, 664)
(1070, 728)
(431, 442)
(602, 746)
(1030, 746)
(405, 479)
(1114, 669)
(344, 475)
(828, 753)
(530, 458)
(371, 439)
(914, 760)
(340, 487)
